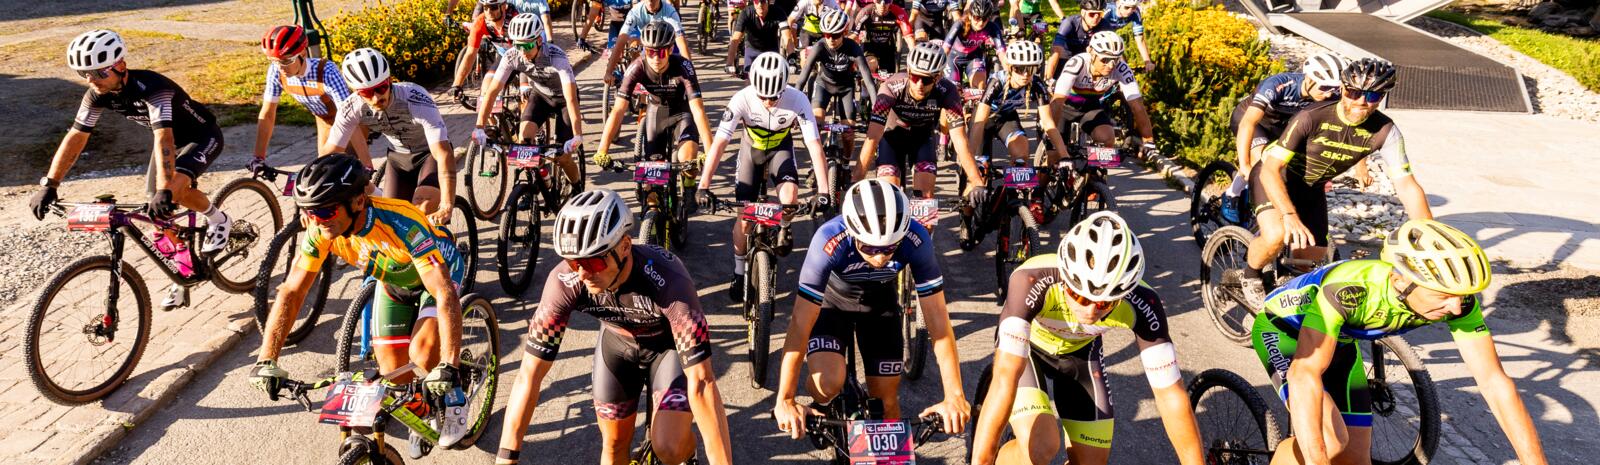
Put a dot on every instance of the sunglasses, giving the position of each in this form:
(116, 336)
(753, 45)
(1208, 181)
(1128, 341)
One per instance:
(658, 52)
(374, 91)
(591, 264)
(877, 250)
(832, 36)
(1024, 69)
(1107, 60)
(96, 74)
(1092, 14)
(287, 60)
(526, 46)
(1328, 89)
(323, 213)
(1370, 96)
(1084, 301)
(921, 80)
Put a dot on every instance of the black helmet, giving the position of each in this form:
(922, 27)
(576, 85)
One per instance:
(982, 9)
(330, 179)
(657, 34)
(1092, 5)
(1369, 74)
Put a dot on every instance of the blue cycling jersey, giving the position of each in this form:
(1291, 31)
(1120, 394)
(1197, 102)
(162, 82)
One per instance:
(618, 4)
(1280, 96)
(833, 255)
(1116, 22)
(640, 15)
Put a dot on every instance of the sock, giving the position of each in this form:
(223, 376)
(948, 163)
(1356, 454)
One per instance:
(1252, 272)
(1237, 188)
(738, 265)
(214, 215)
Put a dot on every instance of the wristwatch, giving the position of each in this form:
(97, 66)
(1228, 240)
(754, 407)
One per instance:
(47, 182)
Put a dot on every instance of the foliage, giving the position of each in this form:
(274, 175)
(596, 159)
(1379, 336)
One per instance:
(1577, 57)
(419, 45)
(231, 84)
(1206, 60)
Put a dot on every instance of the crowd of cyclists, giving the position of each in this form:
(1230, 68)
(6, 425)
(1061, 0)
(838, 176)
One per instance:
(922, 78)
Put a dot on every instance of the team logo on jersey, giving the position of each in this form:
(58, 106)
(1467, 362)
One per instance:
(1350, 296)
(833, 243)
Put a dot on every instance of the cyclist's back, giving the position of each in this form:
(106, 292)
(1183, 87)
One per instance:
(1280, 97)
(1355, 300)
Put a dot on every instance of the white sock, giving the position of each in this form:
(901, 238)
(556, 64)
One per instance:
(738, 265)
(215, 215)
(1237, 188)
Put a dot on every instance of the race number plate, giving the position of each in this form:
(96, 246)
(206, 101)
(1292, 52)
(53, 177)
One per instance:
(926, 211)
(89, 218)
(524, 156)
(652, 172)
(765, 214)
(880, 442)
(352, 404)
(1104, 157)
(839, 128)
(1021, 177)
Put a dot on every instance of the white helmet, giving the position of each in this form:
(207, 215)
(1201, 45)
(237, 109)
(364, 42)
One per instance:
(525, 28)
(365, 68)
(1106, 43)
(1100, 258)
(1024, 53)
(833, 21)
(926, 58)
(876, 213)
(592, 223)
(94, 50)
(769, 74)
(1324, 69)
(1127, 3)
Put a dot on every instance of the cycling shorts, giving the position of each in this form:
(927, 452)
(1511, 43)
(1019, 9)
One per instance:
(395, 312)
(877, 335)
(1088, 118)
(1071, 388)
(777, 164)
(663, 134)
(195, 157)
(536, 110)
(967, 66)
(613, 28)
(901, 150)
(822, 98)
(1310, 203)
(401, 183)
(622, 364)
(1345, 379)
(1003, 127)
(887, 56)
(1266, 131)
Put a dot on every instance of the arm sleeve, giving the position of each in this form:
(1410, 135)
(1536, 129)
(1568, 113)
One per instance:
(159, 104)
(691, 82)
(88, 113)
(426, 113)
(1321, 315)
(808, 118)
(273, 90)
(1393, 154)
(550, 319)
(924, 262)
(819, 263)
(1471, 323)
(312, 250)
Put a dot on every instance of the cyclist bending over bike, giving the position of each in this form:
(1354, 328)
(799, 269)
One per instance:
(881, 29)
(314, 82)
(652, 333)
(836, 63)
(490, 19)
(849, 289)
(1082, 89)
(421, 166)
(642, 15)
(1306, 338)
(919, 104)
(971, 41)
(551, 90)
(1259, 119)
(1321, 142)
(1049, 376)
(770, 110)
(678, 118)
(416, 318)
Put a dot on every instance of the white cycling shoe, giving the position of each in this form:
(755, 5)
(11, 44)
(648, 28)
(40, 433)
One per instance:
(217, 235)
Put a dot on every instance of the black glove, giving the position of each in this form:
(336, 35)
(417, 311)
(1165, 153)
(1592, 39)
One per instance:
(979, 196)
(703, 198)
(161, 205)
(457, 93)
(442, 379)
(40, 204)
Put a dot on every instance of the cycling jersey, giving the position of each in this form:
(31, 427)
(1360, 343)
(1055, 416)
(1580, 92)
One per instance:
(1004, 100)
(1073, 36)
(766, 128)
(395, 244)
(545, 75)
(673, 88)
(538, 7)
(883, 30)
(1280, 96)
(760, 32)
(482, 28)
(1029, 7)
(1082, 88)
(932, 17)
(319, 87)
(618, 4)
(1113, 21)
(1037, 296)
(836, 273)
(152, 101)
(840, 67)
(967, 45)
(411, 122)
(657, 303)
(640, 15)
(1319, 144)
(811, 12)
(920, 116)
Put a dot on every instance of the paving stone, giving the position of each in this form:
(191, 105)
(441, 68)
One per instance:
(21, 442)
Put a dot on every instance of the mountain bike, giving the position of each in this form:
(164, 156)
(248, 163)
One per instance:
(1015, 212)
(488, 56)
(833, 135)
(363, 403)
(765, 224)
(541, 188)
(710, 16)
(664, 219)
(282, 251)
(1236, 426)
(1078, 181)
(1222, 264)
(72, 348)
(913, 328)
(484, 170)
(853, 425)
(1206, 202)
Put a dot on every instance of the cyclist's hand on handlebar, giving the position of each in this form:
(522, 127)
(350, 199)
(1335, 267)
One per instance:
(822, 202)
(161, 205)
(441, 214)
(954, 411)
(41, 201)
(572, 144)
(457, 93)
(269, 378)
(732, 70)
(1296, 235)
(442, 379)
(791, 417)
(602, 159)
(255, 165)
(610, 79)
(480, 137)
(703, 198)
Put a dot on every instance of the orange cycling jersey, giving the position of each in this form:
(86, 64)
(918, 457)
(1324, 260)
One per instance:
(394, 245)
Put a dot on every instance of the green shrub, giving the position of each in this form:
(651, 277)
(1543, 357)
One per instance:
(1575, 56)
(1206, 60)
(419, 46)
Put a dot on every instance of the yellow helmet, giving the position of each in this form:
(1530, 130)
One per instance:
(1437, 256)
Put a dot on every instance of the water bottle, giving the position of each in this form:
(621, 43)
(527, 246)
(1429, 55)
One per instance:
(176, 252)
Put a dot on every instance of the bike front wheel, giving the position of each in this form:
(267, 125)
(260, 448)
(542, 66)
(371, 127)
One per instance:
(1221, 265)
(1095, 197)
(759, 308)
(1015, 247)
(486, 181)
(517, 248)
(365, 451)
(480, 362)
(256, 216)
(465, 230)
(355, 333)
(78, 347)
(1236, 426)
(1405, 404)
(913, 329)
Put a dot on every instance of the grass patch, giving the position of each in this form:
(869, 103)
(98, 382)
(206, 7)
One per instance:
(1579, 58)
(231, 85)
(152, 35)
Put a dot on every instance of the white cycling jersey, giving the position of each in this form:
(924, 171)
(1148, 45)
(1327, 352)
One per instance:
(1078, 84)
(411, 122)
(768, 127)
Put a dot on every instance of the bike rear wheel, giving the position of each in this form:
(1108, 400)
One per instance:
(465, 228)
(351, 355)
(70, 354)
(913, 329)
(580, 15)
(758, 311)
(1205, 202)
(1236, 426)
(1020, 234)
(1221, 262)
(1405, 404)
(480, 362)
(486, 181)
(517, 247)
(282, 251)
(256, 217)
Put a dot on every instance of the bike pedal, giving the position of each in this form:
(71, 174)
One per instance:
(177, 297)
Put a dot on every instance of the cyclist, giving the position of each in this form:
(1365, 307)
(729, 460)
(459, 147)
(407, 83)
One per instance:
(489, 22)
(186, 135)
(769, 109)
(1085, 83)
(645, 13)
(1072, 37)
(614, 11)
(807, 16)
(1024, 13)
(421, 166)
(849, 289)
(923, 103)
(313, 82)
(678, 117)
(1260, 118)
(652, 334)
(1127, 12)
(551, 92)
(971, 40)
(416, 317)
(1307, 339)
(1049, 375)
(1004, 96)
(930, 18)
(1322, 141)
(839, 63)
(881, 29)
(755, 32)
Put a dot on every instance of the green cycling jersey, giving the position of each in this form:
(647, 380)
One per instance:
(1355, 300)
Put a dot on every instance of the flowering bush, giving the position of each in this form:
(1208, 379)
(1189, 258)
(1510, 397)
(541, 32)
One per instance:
(1206, 60)
(419, 45)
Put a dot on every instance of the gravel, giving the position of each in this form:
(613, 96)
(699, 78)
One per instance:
(53, 247)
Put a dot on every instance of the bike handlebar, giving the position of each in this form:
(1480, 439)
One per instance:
(719, 206)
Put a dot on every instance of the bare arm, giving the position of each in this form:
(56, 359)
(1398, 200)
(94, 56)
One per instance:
(1047, 122)
(471, 53)
(524, 400)
(964, 157)
(944, 350)
(1247, 132)
(705, 402)
(443, 289)
(446, 159)
(794, 347)
(974, 129)
(496, 86)
(613, 124)
(735, 44)
(1306, 396)
(819, 162)
(869, 149)
(713, 158)
(1141, 119)
(164, 157)
(573, 114)
(1172, 402)
(67, 154)
(1412, 196)
(264, 124)
(291, 294)
(1500, 392)
(992, 421)
(697, 108)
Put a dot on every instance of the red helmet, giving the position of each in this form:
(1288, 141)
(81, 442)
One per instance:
(284, 41)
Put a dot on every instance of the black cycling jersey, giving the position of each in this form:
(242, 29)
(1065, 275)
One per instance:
(882, 30)
(672, 88)
(153, 101)
(1003, 99)
(657, 303)
(760, 33)
(918, 115)
(1280, 97)
(840, 67)
(1319, 144)
(1073, 36)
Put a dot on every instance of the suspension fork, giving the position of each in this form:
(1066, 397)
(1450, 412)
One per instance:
(109, 320)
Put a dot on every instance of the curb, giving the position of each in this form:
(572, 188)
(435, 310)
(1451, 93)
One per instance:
(106, 436)
(1169, 170)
